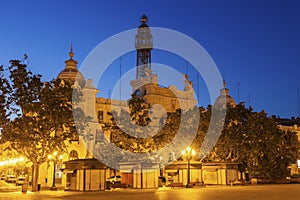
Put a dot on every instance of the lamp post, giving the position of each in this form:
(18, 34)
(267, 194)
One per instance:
(188, 153)
(54, 158)
(1, 133)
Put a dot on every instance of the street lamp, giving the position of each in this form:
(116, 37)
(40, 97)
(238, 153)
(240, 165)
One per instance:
(54, 158)
(1, 133)
(188, 153)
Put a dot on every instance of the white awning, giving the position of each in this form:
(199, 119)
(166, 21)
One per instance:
(67, 171)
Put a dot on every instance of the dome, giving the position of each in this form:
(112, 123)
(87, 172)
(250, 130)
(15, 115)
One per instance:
(224, 99)
(70, 73)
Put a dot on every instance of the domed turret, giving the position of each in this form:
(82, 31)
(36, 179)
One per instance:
(224, 99)
(70, 73)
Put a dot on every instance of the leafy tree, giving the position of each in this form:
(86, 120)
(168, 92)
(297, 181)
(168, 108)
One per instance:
(44, 117)
(4, 109)
(134, 131)
(255, 142)
(251, 139)
(204, 121)
(131, 129)
(273, 150)
(8, 153)
(139, 111)
(234, 137)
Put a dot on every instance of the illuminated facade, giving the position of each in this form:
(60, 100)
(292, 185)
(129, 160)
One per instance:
(294, 126)
(145, 85)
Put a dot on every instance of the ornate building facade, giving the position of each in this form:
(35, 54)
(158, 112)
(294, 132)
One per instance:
(144, 85)
(79, 159)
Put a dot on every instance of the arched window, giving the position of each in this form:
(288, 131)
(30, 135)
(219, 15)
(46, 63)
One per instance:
(162, 121)
(137, 93)
(73, 155)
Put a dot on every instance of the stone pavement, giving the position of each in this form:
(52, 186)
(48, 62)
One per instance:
(257, 192)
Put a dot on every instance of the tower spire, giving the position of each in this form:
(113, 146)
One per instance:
(144, 19)
(224, 90)
(71, 53)
(143, 46)
(224, 83)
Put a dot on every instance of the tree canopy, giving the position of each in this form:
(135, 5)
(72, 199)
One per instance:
(41, 115)
(251, 139)
(256, 143)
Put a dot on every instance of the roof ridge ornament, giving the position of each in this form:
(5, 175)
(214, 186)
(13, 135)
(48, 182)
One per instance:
(224, 83)
(71, 53)
(144, 19)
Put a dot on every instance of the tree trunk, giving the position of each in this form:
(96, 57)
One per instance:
(35, 177)
(241, 175)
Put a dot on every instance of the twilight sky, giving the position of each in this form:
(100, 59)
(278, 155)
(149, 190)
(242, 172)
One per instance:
(255, 44)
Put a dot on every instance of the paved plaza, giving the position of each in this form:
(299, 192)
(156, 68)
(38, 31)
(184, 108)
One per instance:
(258, 192)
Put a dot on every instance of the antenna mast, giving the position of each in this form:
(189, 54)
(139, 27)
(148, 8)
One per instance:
(238, 92)
(198, 97)
(120, 77)
(298, 95)
(249, 98)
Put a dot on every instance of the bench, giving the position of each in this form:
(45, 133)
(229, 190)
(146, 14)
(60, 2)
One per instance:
(236, 182)
(118, 185)
(198, 183)
(176, 185)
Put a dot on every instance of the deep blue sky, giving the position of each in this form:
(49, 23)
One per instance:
(255, 44)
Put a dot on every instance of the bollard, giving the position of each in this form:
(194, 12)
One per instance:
(24, 188)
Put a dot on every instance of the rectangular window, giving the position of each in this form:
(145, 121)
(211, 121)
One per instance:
(99, 136)
(100, 115)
